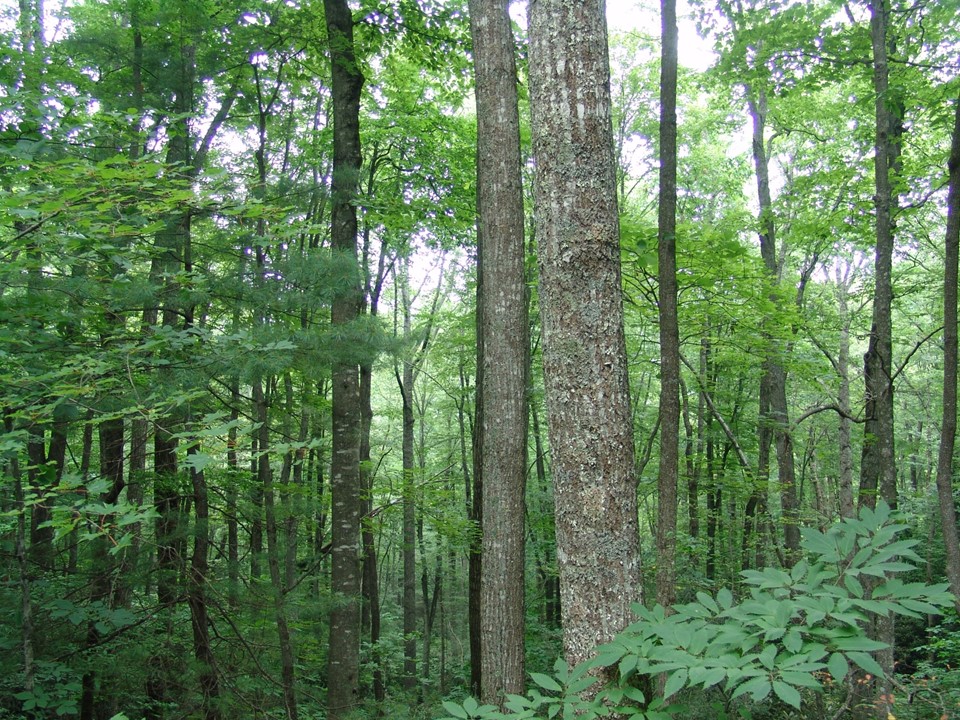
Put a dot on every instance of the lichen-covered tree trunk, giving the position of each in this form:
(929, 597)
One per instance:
(581, 308)
(503, 346)
(345, 480)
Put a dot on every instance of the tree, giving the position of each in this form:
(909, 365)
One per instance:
(669, 330)
(584, 349)
(502, 347)
(948, 516)
(345, 479)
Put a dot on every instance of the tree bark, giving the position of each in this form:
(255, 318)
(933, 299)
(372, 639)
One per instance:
(666, 540)
(503, 350)
(878, 472)
(773, 417)
(409, 605)
(584, 348)
(948, 431)
(345, 480)
(845, 430)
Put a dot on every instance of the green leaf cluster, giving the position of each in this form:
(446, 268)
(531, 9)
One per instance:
(790, 632)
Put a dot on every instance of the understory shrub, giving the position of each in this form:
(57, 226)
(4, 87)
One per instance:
(795, 633)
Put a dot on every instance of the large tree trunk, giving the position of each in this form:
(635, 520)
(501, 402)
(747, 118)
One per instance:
(666, 539)
(503, 349)
(584, 349)
(948, 514)
(345, 480)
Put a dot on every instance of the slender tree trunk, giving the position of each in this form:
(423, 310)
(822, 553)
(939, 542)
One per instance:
(233, 525)
(844, 432)
(878, 472)
(948, 431)
(277, 589)
(502, 351)
(409, 549)
(11, 466)
(197, 580)
(584, 348)
(345, 480)
(371, 583)
(666, 539)
(473, 494)
(774, 418)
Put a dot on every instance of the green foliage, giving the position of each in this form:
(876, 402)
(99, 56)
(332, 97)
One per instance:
(791, 631)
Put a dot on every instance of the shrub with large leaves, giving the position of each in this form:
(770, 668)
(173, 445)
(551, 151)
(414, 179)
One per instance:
(793, 630)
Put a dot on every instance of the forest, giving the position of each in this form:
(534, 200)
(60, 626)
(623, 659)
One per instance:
(480, 361)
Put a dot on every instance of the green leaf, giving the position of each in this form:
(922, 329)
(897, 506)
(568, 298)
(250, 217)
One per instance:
(799, 679)
(708, 602)
(712, 676)
(767, 656)
(758, 688)
(470, 705)
(793, 640)
(518, 703)
(455, 710)
(546, 682)
(675, 683)
(859, 642)
(575, 687)
(725, 598)
(788, 694)
(866, 662)
(838, 667)
(853, 585)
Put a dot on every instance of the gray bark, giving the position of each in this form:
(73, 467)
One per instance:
(584, 349)
(503, 352)
(345, 479)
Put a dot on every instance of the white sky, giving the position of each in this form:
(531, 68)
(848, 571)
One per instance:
(644, 16)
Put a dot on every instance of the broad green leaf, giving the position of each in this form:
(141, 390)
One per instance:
(455, 710)
(518, 703)
(853, 585)
(675, 682)
(725, 598)
(800, 679)
(711, 677)
(767, 656)
(577, 686)
(546, 682)
(758, 688)
(793, 640)
(708, 602)
(866, 662)
(788, 694)
(859, 642)
(837, 666)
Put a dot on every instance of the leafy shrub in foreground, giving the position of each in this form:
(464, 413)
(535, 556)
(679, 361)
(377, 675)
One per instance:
(796, 628)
